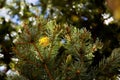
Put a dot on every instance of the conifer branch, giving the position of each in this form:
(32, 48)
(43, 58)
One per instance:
(48, 71)
(40, 56)
(78, 51)
(45, 65)
(23, 57)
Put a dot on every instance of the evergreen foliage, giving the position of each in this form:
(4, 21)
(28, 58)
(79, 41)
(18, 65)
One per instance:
(60, 40)
(50, 51)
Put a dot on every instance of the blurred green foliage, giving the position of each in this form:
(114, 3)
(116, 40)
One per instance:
(80, 13)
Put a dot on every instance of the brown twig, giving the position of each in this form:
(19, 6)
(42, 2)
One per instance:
(23, 57)
(45, 65)
(48, 71)
(41, 57)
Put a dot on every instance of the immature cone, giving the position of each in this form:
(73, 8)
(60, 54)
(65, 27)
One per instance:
(69, 59)
(75, 18)
(78, 72)
(44, 41)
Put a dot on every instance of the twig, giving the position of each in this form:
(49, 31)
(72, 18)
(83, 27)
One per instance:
(21, 56)
(41, 57)
(45, 65)
(48, 71)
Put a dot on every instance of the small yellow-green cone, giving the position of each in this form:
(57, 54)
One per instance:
(69, 59)
(74, 18)
(12, 66)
